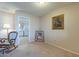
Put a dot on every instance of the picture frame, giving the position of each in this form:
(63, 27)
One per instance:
(58, 22)
(39, 36)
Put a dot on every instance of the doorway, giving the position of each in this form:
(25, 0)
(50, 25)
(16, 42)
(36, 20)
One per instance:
(23, 23)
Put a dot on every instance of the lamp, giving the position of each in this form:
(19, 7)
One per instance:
(6, 26)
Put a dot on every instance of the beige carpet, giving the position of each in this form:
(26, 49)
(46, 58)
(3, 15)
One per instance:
(37, 49)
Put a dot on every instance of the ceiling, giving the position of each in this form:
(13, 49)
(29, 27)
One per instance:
(34, 8)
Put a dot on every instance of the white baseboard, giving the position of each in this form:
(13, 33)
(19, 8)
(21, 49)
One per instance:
(70, 51)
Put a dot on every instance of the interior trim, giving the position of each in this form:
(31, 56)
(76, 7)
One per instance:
(70, 51)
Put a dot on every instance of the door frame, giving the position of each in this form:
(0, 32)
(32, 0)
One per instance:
(17, 28)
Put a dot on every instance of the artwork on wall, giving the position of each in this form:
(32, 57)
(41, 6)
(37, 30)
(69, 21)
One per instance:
(39, 36)
(58, 22)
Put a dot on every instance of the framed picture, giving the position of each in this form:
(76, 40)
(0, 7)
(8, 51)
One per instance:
(39, 36)
(58, 22)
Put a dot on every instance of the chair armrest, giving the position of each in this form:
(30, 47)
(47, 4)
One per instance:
(3, 40)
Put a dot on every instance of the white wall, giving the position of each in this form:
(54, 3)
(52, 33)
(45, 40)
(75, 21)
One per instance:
(67, 38)
(34, 23)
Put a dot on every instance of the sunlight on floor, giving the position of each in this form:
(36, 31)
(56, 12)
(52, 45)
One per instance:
(24, 40)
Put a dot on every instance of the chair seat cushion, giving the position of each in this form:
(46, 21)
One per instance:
(4, 44)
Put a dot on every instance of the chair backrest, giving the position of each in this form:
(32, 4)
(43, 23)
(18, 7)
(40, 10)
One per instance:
(12, 37)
